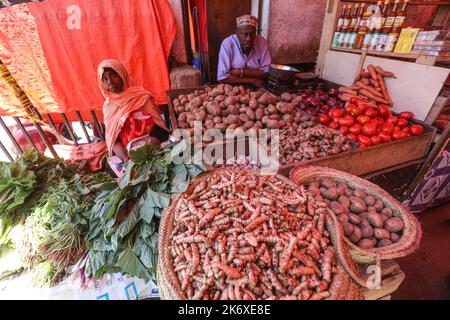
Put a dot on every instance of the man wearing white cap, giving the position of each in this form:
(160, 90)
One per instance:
(244, 57)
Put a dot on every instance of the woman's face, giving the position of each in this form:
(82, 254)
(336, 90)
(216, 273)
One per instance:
(112, 80)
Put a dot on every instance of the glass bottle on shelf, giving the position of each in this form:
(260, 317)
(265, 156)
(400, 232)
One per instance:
(383, 34)
(355, 28)
(373, 26)
(346, 25)
(338, 31)
(351, 27)
(362, 29)
(389, 23)
(400, 18)
(370, 27)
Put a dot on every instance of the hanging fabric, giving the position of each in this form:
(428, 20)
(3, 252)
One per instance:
(53, 49)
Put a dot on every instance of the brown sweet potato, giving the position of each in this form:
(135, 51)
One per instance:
(328, 183)
(337, 208)
(348, 229)
(355, 219)
(284, 108)
(233, 119)
(394, 237)
(394, 224)
(357, 205)
(367, 231)
(343, 219)
(213, 108)
(344, 201)
(356, 235)
(379, 205)
(259, 113)
(330, 194)
(267, 99)
(253, 104)
(375, 220)
(367, 243)
(272, 124)
(381, 233)
(384, 243)
(360, 193)
(230, 101)
(251, 114)
(244, 118)
(287, 97)
(387, 212)
(370, 200)
(234, 110)
(272, 109)
(248, 125)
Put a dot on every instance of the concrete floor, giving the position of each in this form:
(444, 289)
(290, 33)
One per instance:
(428, 269)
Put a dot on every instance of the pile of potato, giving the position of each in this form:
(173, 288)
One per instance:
(366, 220)
(240, 235)
(299, 144)
(234, 107)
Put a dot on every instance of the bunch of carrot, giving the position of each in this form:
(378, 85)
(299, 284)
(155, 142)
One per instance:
(369, 86)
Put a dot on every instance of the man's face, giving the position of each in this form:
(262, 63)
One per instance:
(246, 36)
(112, 80)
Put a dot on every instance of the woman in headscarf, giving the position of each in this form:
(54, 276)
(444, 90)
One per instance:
(130, 112)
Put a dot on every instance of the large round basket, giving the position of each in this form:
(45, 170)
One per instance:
(342, 286)
(412, 232)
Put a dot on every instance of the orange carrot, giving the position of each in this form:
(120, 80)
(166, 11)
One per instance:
(373, 73)
(384, 73)
(347, 90)
(370, 89)
(374, 83)
(369, 95)
(383, 88)
(365, 74)
(365, 81)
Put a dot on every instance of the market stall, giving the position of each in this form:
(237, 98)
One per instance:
(259, 193)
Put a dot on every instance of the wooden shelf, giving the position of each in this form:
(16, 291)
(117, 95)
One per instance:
(378, 53)
(395, 55)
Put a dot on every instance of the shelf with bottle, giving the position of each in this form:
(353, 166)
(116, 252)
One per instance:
(375, 29)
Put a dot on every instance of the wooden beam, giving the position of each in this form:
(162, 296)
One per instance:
(440, 102)
(327, 34)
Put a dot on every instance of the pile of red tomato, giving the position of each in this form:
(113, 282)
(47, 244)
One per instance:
(369, 124)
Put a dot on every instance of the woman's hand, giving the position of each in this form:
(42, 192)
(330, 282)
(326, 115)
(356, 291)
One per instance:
(121, 152)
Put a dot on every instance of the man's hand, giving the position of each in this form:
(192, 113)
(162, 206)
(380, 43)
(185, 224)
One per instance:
(235, 72)
(259, 83)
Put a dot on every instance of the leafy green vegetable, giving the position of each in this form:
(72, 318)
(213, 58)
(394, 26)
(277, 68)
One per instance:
(124, 220)
(54, 231)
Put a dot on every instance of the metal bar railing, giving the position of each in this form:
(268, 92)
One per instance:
(10, 135)
(44, 138)
(5, 151)
(69, 128)
(83, 126)
(25, 132)
(98, 125)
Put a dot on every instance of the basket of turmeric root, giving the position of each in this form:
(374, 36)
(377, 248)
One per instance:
(375, 226)
(235, 234)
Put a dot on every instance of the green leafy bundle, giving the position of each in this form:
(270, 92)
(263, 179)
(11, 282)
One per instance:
(123, 225)
(54, 231)
(22, 183)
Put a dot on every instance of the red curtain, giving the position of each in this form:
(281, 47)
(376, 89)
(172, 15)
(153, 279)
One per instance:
(70, 39)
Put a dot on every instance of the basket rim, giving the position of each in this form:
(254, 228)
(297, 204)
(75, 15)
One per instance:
(402, 247)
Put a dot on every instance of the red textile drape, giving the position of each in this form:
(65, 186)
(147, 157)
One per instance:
(75, 36)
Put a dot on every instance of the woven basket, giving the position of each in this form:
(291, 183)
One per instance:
(412, 232)
(168, 283)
